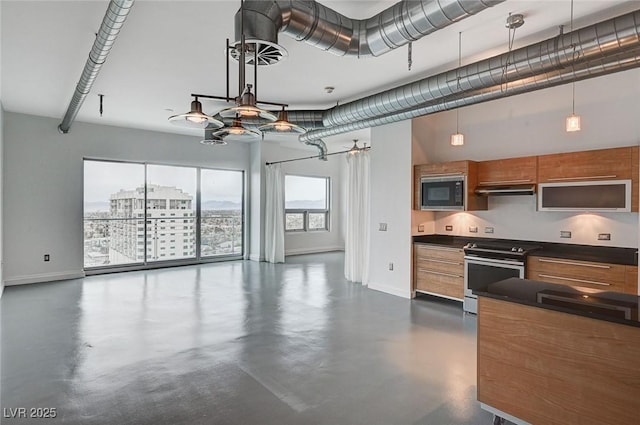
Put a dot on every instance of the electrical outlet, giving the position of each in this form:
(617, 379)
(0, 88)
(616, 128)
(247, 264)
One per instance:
(420, 227)
(383, 227)
(46, 257)
(448, 228)
(604, 236)
(565, 234)
(391, 266)
(488, 229)
(473, 229)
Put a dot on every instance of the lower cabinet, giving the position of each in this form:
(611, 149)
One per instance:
(439, 270)
(586, 274)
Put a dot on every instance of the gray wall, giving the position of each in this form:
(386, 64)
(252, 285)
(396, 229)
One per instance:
(1, 196)
(43, 187)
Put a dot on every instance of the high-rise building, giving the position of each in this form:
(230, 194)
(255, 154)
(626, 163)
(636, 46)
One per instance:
(170, 226)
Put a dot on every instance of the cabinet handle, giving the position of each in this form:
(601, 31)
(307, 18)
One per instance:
(507, 181)
(433, 260)
(440, 273)
(420, 246)
(571, 263)
(613, 176)
(459, 173)
(571, 279)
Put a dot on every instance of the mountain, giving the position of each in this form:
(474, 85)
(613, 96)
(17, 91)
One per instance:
(306, 204)
(96, 206)
(220, 205)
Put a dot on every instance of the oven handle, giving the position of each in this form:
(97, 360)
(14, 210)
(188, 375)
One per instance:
(481, 261)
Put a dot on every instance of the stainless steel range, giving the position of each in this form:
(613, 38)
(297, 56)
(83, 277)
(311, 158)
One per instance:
(491, 261)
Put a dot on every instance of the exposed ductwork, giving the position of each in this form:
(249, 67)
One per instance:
(600, 49)
(113, 20)
(324, 28)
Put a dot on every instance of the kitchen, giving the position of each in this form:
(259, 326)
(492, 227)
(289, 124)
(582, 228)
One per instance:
(596, 249)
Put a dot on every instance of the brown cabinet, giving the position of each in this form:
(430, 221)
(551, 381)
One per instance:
(462, 168)
(602, 276)
(508, 171)
(602, 164)
(631, 280)
(439, 270)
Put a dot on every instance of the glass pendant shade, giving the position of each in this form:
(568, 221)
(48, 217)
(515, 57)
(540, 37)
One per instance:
(573, 123)
(282, 125)
(195, 118)
(457, 139)
(237, 132)
(246, 108)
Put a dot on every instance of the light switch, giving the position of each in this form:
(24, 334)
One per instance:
(383, 227)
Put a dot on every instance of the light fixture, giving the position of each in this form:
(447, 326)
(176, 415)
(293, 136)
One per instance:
(212, 140)
(246, 107)
(572, 122)
(263, 53)
(355, 148)
(237, 132)
(457, 139)
(282, 125)
(195, 118)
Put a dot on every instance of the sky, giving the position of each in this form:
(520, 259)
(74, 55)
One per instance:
(102, 178)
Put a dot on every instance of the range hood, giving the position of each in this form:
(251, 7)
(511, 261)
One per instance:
(506, 190)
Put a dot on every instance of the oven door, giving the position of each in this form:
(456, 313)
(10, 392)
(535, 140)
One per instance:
(479, 272)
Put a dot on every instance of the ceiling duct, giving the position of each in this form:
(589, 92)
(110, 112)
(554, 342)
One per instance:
(326, 29)
(606, 47)
(113, 20)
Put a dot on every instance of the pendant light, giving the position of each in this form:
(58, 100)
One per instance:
(572, 122)
(195, 118)
(246, 107)
(457, 139)
(237, 132)
(282, 125)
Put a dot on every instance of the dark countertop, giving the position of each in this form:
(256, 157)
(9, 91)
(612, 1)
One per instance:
(607, 306)
(603, 254)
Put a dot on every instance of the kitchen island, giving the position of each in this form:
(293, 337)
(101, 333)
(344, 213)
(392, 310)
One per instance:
(551, 354)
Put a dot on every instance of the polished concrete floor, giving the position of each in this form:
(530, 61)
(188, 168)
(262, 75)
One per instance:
(236, 343)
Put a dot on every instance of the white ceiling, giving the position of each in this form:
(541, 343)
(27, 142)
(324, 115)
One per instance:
(169, 49)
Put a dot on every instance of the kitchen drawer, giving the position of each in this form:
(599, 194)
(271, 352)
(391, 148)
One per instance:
(603, 276)
(447, 284)
(438, 253)
(440, 265)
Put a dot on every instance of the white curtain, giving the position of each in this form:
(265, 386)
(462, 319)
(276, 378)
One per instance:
(274, 215)
(356, 255)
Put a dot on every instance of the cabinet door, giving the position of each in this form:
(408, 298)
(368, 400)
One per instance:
(439, 270)
(631, 280)
(508, 171)
(604, 164)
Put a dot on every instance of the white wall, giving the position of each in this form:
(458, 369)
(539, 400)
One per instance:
(391, 174)
(308, 242)
(1, 196)
(533, 124)
(256, 200)
(43, 186)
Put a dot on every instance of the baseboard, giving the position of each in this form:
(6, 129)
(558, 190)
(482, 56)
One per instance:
(43, 277)
(314, 250)
(390, 290)
(254, 257)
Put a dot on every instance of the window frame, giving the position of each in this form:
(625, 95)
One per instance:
(307, 211)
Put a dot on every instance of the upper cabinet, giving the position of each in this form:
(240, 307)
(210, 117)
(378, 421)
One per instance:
(602, 164)
(469, 169)
(510, 171)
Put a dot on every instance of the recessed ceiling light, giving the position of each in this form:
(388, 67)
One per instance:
(329, 89)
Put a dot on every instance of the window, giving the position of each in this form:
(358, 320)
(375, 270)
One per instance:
(306, 203)
(126, 219)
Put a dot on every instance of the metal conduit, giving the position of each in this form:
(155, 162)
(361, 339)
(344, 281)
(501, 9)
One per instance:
(326, 29)
(592, 42)
(595, 68)
(113, 20)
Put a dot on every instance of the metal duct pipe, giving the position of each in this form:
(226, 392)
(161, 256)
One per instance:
(565, 50)
(603, 48)
(322, 148)
(323, 27)
(108, 32)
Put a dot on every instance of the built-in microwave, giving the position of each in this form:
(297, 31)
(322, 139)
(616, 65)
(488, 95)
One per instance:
(442, 193)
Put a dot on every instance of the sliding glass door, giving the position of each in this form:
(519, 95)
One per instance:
(221, 212)
(148, 213)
